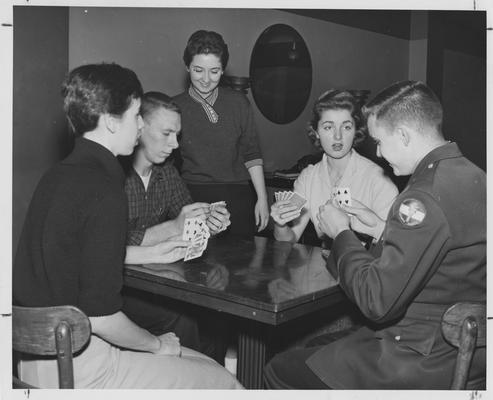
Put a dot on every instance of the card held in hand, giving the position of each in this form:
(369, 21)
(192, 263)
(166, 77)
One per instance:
(196, 231)
(217, 203)
(343, 196)
(297, 200)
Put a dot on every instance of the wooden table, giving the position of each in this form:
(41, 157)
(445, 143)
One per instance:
(263, 281)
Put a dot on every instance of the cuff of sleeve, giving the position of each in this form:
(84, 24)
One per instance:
(339, 248)
(378, 230)
(135, 238)
(253, 163)
(331, 265)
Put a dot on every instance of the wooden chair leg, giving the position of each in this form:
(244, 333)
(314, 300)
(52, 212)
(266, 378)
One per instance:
(468, 338)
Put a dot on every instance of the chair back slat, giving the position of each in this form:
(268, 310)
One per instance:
(454, 317)
(33, 328)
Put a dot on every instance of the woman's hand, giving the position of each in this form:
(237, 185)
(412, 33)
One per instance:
(363, 214)
(283, 211)
(169, 345)
(261, 214)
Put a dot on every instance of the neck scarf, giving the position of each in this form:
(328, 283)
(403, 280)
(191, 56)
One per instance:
(206, 103)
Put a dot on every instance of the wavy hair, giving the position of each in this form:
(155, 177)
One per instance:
(335, 99)
(206, 42)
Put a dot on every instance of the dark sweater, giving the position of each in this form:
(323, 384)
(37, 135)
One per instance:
(220, 152)
(72, 247)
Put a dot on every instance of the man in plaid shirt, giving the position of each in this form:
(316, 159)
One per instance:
(158, 203)
(158, 199)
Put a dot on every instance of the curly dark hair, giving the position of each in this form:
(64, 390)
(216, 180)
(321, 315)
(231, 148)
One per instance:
(335, 99)
(206, 42)
(94, 89)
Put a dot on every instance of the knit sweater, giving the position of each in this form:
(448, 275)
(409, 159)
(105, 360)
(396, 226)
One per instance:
(72, 247)
(218, 152)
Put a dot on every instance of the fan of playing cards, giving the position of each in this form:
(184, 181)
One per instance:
(294, 198)
(197, 232)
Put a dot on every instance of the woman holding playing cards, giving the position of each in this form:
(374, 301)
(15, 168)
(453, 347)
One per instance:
(219, 145)
(343, 176)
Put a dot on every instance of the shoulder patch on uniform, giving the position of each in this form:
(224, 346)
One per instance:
(412, 212)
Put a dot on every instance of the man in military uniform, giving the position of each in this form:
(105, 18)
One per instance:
(431, 255)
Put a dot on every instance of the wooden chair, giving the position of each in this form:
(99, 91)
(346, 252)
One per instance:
(464, 326)
(50, 331)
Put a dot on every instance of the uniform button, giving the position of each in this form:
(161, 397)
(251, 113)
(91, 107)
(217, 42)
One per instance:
(397, 338)
(430, 165)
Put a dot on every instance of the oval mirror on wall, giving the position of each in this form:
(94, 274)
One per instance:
(280, 73)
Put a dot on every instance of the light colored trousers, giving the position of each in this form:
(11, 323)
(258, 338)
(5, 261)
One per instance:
(102, 365)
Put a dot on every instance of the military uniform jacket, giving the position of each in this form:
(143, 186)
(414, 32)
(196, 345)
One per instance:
(432, 254)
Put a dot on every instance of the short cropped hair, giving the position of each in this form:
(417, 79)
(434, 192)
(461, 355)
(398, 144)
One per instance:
(206, 42)
(95, 89)
(409, 102)
(152, 101)
(335, 99)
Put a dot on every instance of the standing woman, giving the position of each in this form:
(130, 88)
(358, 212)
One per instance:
(219, 145)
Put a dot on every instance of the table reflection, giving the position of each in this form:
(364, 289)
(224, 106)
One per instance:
(260, 269)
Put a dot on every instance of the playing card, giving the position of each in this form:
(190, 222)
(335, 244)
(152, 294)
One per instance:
(217, 203)
(193, 252)
(197, 232)
(190, 228)
(343, 196)
(297, 200)
(284, 195)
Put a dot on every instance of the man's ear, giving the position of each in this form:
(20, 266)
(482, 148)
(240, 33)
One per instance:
(403, 134)
(109, 122)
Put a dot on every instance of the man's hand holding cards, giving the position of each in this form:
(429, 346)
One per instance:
(218, 218)
(196, 231)
(287, 207)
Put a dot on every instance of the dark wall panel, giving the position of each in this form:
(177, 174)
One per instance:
(39, 127)
(456, 71)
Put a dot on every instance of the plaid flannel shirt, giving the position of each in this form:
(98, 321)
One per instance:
(165, 196)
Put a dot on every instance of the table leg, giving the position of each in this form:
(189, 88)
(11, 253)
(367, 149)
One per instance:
(252, 340)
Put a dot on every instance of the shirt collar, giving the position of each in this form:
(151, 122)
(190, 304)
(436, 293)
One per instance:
(157, 172)
(351, 167)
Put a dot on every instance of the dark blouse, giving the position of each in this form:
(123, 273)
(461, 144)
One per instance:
(72, 246)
